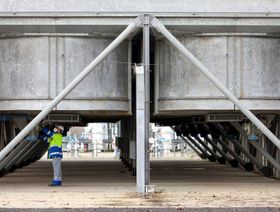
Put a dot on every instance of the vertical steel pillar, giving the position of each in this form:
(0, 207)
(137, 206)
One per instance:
(146, 60)
(140, 131)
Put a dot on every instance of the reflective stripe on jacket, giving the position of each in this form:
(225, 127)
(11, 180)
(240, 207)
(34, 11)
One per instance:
(55, 147)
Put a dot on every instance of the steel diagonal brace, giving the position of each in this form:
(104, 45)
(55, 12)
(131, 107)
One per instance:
(161, 28)
(256, 145)
(220, 159)
(130, 28)
(204, 151)
(234, 162)
(241, 148)
(200, 154)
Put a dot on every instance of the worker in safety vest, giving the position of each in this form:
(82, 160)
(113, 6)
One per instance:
(55, 152)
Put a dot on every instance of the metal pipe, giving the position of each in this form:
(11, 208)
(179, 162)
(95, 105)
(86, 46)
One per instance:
(130, 28)
(256, 145)
(146, 62)
(161, 28)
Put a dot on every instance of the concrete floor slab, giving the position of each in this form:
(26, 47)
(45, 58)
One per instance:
(106, 184)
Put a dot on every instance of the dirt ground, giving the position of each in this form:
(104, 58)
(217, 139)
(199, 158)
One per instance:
(105, 182)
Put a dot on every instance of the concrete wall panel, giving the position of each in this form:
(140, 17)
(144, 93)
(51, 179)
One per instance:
(248, 66)
(24, 68)
(38, 68)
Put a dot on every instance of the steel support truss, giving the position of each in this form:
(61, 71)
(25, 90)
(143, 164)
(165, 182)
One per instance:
(143, 169)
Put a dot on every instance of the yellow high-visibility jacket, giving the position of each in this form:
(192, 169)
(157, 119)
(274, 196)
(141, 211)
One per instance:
(55, 146)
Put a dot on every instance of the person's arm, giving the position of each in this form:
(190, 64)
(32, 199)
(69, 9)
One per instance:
(46, 134)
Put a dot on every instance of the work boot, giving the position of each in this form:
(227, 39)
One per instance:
(55, 183)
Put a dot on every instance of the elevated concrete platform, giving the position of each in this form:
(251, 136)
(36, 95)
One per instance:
(108, 18)
(107, 184)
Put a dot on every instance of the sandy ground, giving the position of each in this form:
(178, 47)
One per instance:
(105, 182)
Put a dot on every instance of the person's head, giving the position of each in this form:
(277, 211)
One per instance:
(60, 129)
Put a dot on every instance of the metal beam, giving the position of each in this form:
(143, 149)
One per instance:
(207, 148)
(140, 131)
(234, 155)
(161, 28)
(143, 113)
(214, 139)
(130, 28)
(106, 26)
(14, 153)
(21, 161)
(199, 147)
(240, 147)
(199, 153)
(224, 155)
(146, 62)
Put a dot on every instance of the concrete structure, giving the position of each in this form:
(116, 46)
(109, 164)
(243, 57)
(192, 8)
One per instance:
(45, 45)
(106, 185)
(244, 64)
(38, 68)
